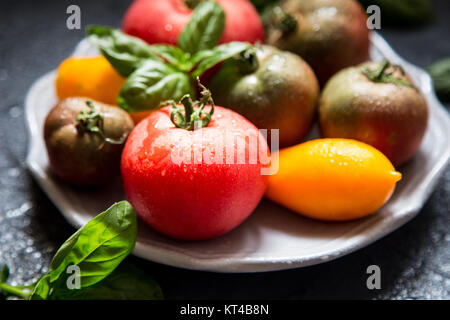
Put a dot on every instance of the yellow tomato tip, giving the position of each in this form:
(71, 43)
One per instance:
(397, 176)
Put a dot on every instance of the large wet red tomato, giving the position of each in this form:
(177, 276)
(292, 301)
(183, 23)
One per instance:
(179, 182)
(161, 21)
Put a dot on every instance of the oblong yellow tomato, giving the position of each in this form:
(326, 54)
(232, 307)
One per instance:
(332, 179)
(91, 77)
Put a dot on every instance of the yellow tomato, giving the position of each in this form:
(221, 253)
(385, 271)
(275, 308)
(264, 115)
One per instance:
(332, 179)
(91, 77)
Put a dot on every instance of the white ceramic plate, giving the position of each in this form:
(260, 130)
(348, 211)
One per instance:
(273, 238)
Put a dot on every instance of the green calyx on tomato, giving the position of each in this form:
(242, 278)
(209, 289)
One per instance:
(247, 61)
(281, 20)
(89, 120)
(92, 121)
(386, 72)
(194, 116)
(162, 72)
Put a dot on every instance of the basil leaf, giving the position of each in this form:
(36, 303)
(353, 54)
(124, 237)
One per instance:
(125, 53)
(64, 250)
(42, 289)
(152, 83)
(173, 55)
(99, 247)
(127, 282)
(204, 29)
(440, 72)
(209, 58)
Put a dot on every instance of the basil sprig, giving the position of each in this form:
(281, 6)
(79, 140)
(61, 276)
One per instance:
(97, 249)
(153, 82)
(160, 72)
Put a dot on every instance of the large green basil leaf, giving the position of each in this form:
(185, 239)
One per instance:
(125, 53)
(99, 247)
(127, 282)
(440, 72)
(64, 250)
(205, 28)
(152, 83)
(209, 58)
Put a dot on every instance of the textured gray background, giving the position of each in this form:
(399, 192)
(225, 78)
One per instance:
(414, 260)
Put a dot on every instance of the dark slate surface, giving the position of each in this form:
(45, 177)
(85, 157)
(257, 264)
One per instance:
(414, 260)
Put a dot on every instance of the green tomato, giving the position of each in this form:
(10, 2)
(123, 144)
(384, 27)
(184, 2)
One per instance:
(273, 89)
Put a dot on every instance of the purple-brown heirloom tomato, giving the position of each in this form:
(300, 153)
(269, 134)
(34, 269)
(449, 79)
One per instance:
(84, 140)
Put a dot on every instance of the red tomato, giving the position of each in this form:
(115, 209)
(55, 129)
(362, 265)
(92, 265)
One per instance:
(194, 198)
(161, 21)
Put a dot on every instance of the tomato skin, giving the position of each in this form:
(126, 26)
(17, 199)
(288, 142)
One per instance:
(389, 117)
(189, 201)
(338, 179)
(84, 159)
(161, 21)
(91, 77)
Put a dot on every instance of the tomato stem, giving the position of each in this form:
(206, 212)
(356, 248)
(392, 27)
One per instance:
(194, 116)
(92, 121)
(89, 120)
(282, 20)
(386, 72)
(247, 62)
